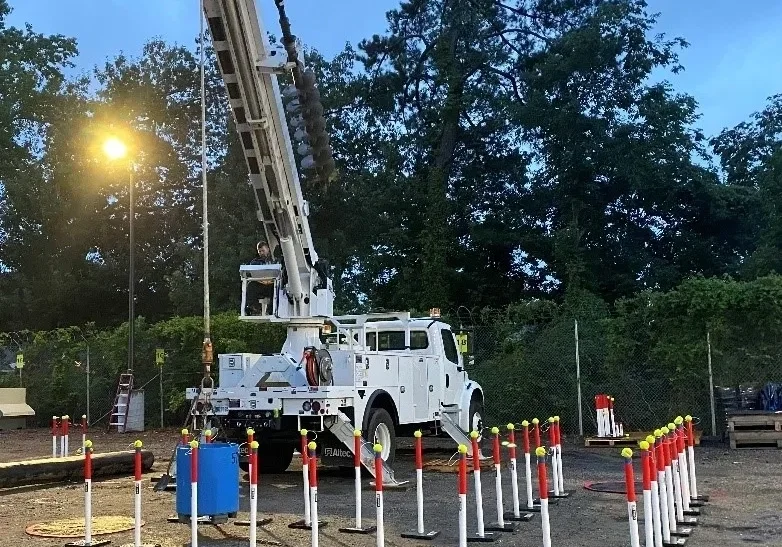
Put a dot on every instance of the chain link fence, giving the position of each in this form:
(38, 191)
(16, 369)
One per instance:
(528, 359)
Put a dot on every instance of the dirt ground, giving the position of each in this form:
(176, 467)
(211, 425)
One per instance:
(745, 488)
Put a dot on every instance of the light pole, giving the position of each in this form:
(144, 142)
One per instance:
(115, 149)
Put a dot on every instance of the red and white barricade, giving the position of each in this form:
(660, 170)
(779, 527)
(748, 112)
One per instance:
(83, 431)
(358, 528)
(696, 499)
(481, 534)
(462, 487)
(516, 514)
(420, 532)
(88, 541)
(632, 509)
(55, 436)
(647, 495)
(500, 525)
(381, 530)
(655, 512)
(540, 452)
(312, 465)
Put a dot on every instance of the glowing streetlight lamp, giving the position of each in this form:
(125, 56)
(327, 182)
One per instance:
(115, 149)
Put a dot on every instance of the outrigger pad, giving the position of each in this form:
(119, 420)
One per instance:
(258, 522)
(354, 530)
(675, 542)
(84, 543)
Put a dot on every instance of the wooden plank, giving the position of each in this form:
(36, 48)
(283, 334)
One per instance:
(70, 468)
(758, 436)
(632, 440)
(452, 465)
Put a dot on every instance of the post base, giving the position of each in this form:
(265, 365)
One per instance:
(85, 543)
(681, 531)
(697, 503)
(301, 525)
(687, 521)
(703, 499)
(354, 530)
(426, 535)
(142, 545)
(258, 522)
(524, 516)
(675, 542)
(561, 495)
(487, 537)
(693, 512)
(506, 527)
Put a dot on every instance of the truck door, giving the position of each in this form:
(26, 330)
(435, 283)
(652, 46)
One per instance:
(451, 375)
(420, 389)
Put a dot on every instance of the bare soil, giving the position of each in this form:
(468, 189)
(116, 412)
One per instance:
(745, 488)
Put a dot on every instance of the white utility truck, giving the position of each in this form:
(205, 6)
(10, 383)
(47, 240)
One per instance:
(385, 374)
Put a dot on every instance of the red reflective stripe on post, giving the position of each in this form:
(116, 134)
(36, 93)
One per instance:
(542, 482)
(54, 427)
(88, 464)
(357, 451)
(660, 455)
(463, 474)
(419, 453)
(629, 480)
(193, 464)
(497, 449)
(476, 460)
(552, 434)
(378, 472)
(526, 439)
(680, 436)
(671, 448)
(537, 435)
(137, 464)
(254, 466)
(690, 434)
(84, 424)
(646, 469)
(512, 445)
(65, 424)
(185, 439)
(304, 449)
(312, 460)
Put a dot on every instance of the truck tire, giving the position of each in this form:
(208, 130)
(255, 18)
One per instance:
(274, 458)
(381, 430)
(476, 415)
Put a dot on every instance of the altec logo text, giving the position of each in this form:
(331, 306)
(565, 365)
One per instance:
(337, 453)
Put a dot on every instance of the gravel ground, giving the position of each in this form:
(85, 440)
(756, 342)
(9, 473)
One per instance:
(744, 487)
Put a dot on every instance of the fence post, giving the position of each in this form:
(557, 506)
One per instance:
(711, 385)
(578, 383)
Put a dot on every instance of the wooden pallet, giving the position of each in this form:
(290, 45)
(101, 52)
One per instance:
(771, 421)
(769, 438)
(631, 440)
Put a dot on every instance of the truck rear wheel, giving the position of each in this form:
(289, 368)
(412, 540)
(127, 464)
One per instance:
(381, 431)
(274, 458)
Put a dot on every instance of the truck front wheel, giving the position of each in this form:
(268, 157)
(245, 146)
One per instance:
(381, 431)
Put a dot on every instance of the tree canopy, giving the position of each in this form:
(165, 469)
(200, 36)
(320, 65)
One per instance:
(487, 151)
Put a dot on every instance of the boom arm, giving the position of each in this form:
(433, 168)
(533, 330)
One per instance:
(249, 67)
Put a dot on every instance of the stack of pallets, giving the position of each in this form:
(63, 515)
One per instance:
(755, 429)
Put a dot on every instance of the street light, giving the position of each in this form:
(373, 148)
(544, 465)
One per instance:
(115, 149)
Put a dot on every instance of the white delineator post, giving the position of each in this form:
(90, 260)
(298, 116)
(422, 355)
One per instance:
(655, 512)
(660, 458)
(88, 493)
(500, 525)
(647, 493)
(540, 452)
(691, 458)
(476, 470)
(83, 430)
(528, 467)
(305, 463)
(683, 471)
(670, 504)
(558, 453)
(614, 430)
(64, 436)
(632, 509)
(420, 532)
(514, 474)
(599, 415)
(253, 468)
(55, 434)
(193, 493)
(137, 500)
(462, 495)
(312, 464)
(552, 437)
(381, 530)
(677, 482)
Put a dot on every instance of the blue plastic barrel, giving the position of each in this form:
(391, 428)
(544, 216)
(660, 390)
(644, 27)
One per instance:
(218, 479)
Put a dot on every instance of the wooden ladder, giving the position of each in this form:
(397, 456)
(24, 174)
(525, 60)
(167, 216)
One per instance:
(119, 412)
